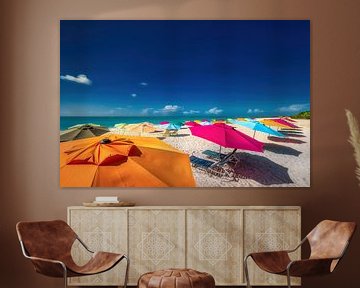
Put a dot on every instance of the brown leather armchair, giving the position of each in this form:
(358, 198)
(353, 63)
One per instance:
(328, 242)
(48, 245)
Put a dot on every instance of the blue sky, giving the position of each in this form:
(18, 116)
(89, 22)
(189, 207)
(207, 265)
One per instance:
(160, 68)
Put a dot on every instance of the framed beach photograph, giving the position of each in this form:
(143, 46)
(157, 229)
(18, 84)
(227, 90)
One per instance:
(184, 103)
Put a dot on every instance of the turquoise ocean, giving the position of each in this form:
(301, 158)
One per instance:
(110, 121)
(67, 121)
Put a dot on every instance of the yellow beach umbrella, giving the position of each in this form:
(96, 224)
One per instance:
(120, 125)
(118, 161)
(141, 127)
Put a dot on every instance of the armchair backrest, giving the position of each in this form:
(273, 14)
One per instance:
(329, 239)
(46, 239)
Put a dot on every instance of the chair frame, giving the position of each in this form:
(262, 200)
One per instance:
(288, 276)
(26, 255)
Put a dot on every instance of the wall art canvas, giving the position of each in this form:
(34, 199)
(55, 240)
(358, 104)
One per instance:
(165, 103)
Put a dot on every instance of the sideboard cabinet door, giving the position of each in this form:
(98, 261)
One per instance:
(101, 230)
(156, 240)
(214, 244)
(270, 230)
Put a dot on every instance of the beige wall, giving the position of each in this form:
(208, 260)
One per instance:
(29, 111)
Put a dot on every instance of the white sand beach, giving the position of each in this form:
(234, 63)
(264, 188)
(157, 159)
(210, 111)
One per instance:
(285, 162)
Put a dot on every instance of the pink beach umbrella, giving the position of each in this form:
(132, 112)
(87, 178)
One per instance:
(191, 124)
(164, 122)
(282, 121)
(227, 136)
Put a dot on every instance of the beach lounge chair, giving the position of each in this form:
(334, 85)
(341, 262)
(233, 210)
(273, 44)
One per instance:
(219, 169)
(214, 155)
(207, 166)
(221, 157)
(200, 163)
(168, 133)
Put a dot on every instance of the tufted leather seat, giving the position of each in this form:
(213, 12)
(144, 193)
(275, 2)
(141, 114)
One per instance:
(176, 278)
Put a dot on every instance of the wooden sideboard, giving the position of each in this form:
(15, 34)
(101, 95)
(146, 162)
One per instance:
(212, 239)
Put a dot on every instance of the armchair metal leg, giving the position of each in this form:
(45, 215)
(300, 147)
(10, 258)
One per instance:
(126, 271)
(246, 271)
(288, 278)
(65, 275)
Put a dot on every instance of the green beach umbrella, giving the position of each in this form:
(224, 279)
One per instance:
(82, 131)
(79, 125)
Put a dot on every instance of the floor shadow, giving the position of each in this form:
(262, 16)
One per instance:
(261, 169)
(279, 149)
(180, 135)
(294, 130)
(293, 134)
(173, 136)
(285, 140)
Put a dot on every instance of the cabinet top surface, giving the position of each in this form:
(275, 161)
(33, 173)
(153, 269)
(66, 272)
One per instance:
(192, 207)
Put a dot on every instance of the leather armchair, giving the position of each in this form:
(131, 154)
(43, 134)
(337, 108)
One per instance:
(48, 245)
(328, 242)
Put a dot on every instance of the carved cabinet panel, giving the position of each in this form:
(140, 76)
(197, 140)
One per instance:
(101, 230)
(214, 241)
(270, 230)
(209, 239)
(156, 240)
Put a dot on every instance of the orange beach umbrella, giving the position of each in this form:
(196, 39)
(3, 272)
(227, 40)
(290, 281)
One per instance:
(271, 122)
(118, 161)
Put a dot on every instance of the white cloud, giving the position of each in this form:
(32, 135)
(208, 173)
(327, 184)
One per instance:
(170, 108)
(191, 112)
(255, 110)
(133, 95)
(81, 79)
(144, 84)
(294, 108)
(214, 110)
(147, 111)
(167, 109)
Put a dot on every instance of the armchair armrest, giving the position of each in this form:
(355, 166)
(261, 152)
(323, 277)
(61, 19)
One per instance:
(49, 267)
(298, 246)
(280, 252)
(83, 244)
(309, 267)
